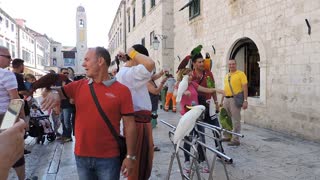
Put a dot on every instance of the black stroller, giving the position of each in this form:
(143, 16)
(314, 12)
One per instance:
(40, 128)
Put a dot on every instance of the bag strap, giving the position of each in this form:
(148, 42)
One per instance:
(103, 115)
(229, 78)
(203, 73)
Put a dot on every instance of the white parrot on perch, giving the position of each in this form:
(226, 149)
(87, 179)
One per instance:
(186, 124)
(183, 86)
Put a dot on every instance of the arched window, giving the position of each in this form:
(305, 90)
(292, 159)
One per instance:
(246, 54)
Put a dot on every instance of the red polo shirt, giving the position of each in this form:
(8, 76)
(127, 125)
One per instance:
(93, 137)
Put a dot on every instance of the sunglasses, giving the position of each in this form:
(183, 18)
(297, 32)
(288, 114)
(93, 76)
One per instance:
(7, 56)
(65, 73)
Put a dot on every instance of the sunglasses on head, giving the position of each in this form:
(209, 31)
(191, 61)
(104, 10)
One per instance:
(6, 56)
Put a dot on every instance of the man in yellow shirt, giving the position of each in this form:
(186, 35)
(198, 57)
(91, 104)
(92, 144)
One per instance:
(239, 83)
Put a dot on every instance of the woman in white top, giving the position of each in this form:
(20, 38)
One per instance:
(135, 74)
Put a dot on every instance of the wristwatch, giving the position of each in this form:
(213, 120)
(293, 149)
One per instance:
(131, 157)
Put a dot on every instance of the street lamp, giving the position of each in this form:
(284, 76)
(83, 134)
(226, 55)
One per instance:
(156, 42)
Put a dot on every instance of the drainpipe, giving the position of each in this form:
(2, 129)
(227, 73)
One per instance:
(125, 26)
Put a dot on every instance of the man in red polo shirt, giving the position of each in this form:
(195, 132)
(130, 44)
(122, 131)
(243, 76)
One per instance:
(96, 150)
(200, 75)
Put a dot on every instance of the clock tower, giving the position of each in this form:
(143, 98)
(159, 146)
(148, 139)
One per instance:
(81, 25)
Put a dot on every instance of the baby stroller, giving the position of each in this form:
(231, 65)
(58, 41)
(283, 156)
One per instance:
(40, 126)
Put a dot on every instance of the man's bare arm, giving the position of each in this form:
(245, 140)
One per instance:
(158, 75)
(245, 91)
(144, 60)
(13, 93)
(131, 134)
(131, 140)
(245, 95)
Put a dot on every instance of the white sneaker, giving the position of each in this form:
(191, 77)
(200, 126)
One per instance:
(187, 166)
(204, 167)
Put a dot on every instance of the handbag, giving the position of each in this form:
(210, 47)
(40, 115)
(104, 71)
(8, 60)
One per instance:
(238, 98)
(121, 140)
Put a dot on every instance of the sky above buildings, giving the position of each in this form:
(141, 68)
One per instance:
(57, 18)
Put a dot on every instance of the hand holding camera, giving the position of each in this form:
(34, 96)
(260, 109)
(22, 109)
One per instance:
(123, 57)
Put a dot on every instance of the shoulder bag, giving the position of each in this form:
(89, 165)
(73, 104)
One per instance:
(238, 98)
(120, 139)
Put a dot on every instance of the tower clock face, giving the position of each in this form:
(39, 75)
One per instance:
(82, 46)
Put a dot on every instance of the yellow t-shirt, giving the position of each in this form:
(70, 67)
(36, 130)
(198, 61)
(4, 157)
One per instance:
(237, 79)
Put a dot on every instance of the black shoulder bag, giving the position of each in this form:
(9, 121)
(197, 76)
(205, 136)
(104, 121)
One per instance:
(120, 139)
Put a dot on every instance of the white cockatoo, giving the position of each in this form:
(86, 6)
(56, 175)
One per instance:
(186, 124)
(183, 86)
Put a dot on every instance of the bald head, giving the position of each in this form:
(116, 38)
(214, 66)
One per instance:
(97, 60)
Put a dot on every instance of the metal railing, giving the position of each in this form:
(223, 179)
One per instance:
(196, 141)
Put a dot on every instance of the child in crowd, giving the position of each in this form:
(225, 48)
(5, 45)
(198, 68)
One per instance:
(28, 80)
(36, 112)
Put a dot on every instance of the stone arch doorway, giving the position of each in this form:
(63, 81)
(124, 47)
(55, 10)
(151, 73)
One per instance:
(246, 54)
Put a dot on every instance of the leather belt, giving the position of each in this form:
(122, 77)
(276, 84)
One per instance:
(229, 96)
(142, 116)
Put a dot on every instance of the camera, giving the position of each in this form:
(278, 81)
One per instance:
(166, 74)
(154, 116)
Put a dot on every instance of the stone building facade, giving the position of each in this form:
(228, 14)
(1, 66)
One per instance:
(143, 21)
(275, 42)
(270, 41)
(117, 34)
(25, 43)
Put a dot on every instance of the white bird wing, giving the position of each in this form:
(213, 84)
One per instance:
(185, 125)
(183, 86)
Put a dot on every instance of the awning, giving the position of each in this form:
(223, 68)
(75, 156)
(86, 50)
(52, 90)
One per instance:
(39, 72)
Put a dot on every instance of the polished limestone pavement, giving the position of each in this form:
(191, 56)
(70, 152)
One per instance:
(262, 155)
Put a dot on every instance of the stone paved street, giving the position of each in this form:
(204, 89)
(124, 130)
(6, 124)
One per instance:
(263, 155)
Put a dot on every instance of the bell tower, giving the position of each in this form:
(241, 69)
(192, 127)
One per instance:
(81, 25)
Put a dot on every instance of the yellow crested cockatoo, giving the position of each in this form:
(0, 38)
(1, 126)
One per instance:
(186, 124)
(183, 86)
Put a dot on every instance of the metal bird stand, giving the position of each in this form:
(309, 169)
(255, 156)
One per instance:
(195, 141)
(194, 156)
(217, 150)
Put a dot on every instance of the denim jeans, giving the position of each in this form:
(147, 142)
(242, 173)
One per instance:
(90, 168)
(66, 118)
